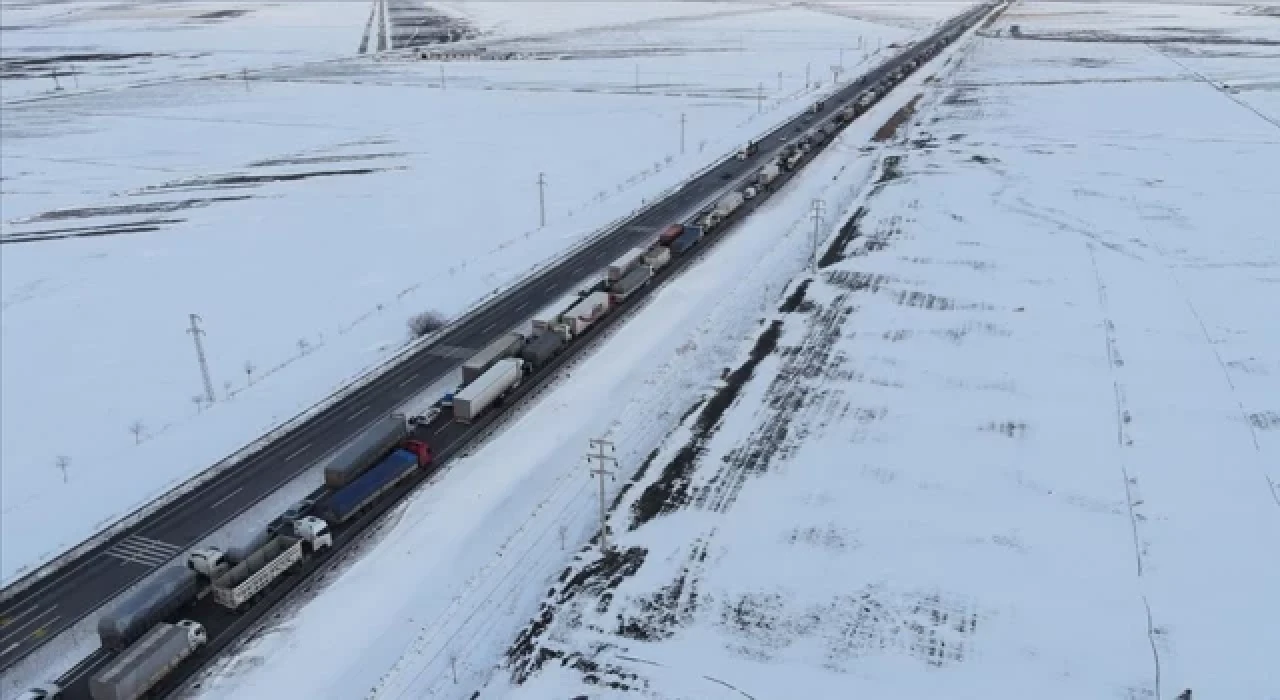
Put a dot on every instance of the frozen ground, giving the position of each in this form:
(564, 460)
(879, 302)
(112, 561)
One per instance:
(1018, 438)
(306, 213)
(460, 567)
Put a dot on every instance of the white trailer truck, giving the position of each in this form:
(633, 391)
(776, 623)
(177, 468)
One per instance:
(487, 388)
(131, 674)
(236, 586)
(623, 265)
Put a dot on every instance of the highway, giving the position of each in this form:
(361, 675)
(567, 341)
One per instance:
(49, 606)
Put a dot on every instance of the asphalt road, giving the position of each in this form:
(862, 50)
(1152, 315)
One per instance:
(38, 614)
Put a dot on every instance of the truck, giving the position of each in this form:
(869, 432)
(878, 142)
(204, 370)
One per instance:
(728, 204)
(670, 233)
(235, 587)
(817, 106)
(634, 280)
(542, 347)
(502, 348)
(131, 674)
(692, 234)
(552, 317)
(353, 458)
(150, 603)
(341, 505)
(491, 386)
(794, 159)
(768, 174)
(587, 311)
(748, 150)
(657, 257)
(624, 265)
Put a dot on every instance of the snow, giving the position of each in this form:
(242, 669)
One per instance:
(292, 277)
(461, 564)
(1017, 441)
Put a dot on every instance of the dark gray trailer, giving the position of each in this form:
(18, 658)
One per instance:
(353, 458)
(500, 349)
(151, 602)
(131, 674)
(542, 347)
(634, 280)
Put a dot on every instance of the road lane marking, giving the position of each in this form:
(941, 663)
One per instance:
(441, 428)
(487, 328)
(355, 415)
(297, 452)
(144, 550)
(16, 634)
(409, 379)
(523, 305)
(222, 500)
(7, 620)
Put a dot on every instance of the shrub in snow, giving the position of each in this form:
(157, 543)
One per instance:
(426, 323)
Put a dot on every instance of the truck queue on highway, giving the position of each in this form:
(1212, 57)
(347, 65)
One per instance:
(146, 629)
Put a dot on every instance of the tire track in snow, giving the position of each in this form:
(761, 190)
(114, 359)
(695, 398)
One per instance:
(1123, 440)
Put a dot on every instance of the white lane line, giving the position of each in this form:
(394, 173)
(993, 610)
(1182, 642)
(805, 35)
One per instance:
(441, 428)
(15, 635)
(487, 328)
(409, 379)
(523, 305)
(10, 619)
(222, 500)
(355, 415)
(297, 452)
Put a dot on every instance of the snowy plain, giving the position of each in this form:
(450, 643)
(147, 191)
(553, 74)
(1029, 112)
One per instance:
(1018, 438)
(306, 212)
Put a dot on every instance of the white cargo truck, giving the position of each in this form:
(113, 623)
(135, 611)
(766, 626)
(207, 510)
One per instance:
(238, 585)
(768, 174)
(550, 318)
(728, 204)
(131, 674)
(657, 257)
(587, 311)
(624, 264)
(487, 388)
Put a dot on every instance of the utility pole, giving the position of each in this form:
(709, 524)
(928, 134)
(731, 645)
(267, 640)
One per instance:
(196, 331)
(682, 122)
(442, 76)
(601, 459)
(542, 199)
(637, 78)
(779, 81)
(806, 76)
(819, 207)
(841, 58)
(760, 98)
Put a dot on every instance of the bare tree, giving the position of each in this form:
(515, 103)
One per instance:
(304, 346)
(426, 323)
(198, 400)
(63, 462)
(137, 428)
(248, 371)
(226, 388)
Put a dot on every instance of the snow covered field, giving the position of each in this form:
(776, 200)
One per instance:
(306, 212)
(1018, 438)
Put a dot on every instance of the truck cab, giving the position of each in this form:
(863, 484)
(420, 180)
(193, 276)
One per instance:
(45, 691)
(196, 634)
(315, 531)
(421, 449)
(209, 562)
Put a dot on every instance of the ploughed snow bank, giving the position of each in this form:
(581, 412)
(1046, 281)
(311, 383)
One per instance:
(1019, 437)
(306, 213)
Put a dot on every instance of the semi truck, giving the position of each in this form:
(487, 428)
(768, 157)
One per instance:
(768, 174)
(634, 280)
(343, 504)
(670, 233)
(234, 587)
(542, 347)
(551, 318)
(153, 601)
(353, 458)
(657, 257)
(748, 150)
(624, 265)
(727, 205)
(692, 234)
(587, 312)
(488, 388)
(502, 348)
(131, 674)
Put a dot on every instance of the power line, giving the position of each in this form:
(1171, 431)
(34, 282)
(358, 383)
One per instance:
(542, 199)
(196, 331)
(819, 208)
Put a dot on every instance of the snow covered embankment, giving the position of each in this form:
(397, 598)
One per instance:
(1013, 441)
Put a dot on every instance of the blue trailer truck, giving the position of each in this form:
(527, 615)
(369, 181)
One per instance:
(691, 235)
(145, 606)
(341, 505)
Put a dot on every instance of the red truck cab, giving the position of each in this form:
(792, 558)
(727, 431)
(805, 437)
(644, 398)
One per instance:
(421, 449)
